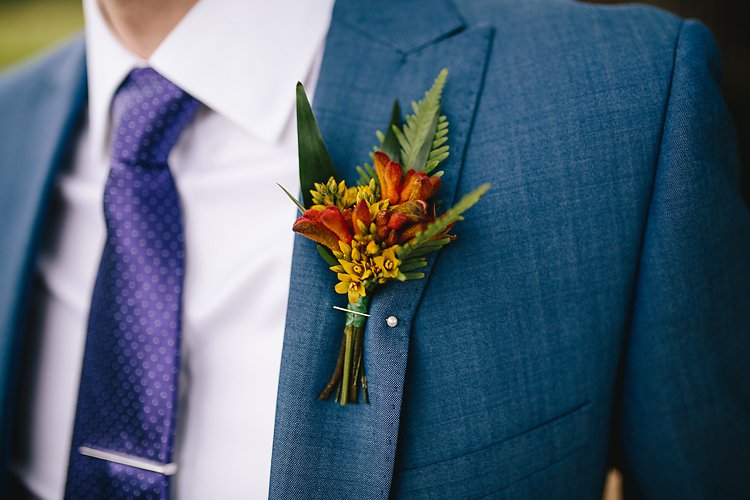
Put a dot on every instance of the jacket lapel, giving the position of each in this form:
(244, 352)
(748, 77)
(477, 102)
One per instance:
(43, 113)
(373, 54)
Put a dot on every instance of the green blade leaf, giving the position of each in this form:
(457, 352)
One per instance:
(315, 163)
(390, 145)
(299, 206)
(327, 256)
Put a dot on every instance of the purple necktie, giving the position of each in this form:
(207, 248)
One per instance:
(125, 419)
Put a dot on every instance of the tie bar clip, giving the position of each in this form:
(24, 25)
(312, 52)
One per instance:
(123, 459)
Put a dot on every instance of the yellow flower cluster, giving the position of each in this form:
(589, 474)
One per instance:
(333, 194)
(364, 261)
(362, 264)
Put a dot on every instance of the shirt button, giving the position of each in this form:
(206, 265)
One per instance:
(391, 321)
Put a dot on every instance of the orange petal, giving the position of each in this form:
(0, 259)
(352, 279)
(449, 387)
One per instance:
(347, 215)
(419, 186)
(416, 210)
(392, 238)
(397, 220)
(412, 184)
(332, 219)
(361, 213)
(310, 226)
(389, 174)
(411, 232)
(431, 188)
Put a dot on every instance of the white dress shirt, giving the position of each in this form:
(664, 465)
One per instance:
(242, 61)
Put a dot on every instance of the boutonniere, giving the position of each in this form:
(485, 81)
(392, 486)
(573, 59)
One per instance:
(384, 227)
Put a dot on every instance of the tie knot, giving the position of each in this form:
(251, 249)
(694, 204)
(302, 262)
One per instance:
(149, 112)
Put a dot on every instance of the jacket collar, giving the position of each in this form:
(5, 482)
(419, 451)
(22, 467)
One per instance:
(374, 53)
(404, 26)
(224, 53)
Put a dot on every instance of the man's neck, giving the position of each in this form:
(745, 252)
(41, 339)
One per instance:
(141, 25)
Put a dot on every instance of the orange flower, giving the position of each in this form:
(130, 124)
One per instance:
(398, 220)
(397, 187)
(407, 213)
(389, 174)
(416, 210)
(419, 186)
(381, 223)
(411, 232)
(361, 214)
(327, 227)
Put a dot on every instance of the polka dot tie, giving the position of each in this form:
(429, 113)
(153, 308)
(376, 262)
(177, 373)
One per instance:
(125, 419)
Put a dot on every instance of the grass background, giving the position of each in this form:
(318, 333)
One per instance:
(27, 26)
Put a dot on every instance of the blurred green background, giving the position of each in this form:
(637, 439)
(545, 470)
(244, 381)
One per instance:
(26, 26)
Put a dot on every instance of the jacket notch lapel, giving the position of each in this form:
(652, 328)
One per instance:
(371, 58)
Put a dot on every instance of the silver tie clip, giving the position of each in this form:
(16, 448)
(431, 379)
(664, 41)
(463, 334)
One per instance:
(137, 462)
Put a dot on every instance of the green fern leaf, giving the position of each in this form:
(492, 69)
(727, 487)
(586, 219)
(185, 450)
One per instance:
(420, 130)
(428, 248)
(424, 239)
(366, 172)
(409, 276)
(412, 264)
(440, 150)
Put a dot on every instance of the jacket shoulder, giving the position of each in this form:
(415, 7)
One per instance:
(49, 67)
(574, 14)
(33, 93)
(579, 66)
(628, 33)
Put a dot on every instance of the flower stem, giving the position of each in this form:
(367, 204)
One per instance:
(337, 372)
(349, 374)
(356, 362)
(365, 394)
(359, 365)
(348, 334)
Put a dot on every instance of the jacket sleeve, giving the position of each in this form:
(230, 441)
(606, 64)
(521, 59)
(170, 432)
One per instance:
(684, 412)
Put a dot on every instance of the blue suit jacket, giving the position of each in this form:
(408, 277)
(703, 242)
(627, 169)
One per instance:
(595, 309)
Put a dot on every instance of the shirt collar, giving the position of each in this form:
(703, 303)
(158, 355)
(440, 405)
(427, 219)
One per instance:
(241, 59)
